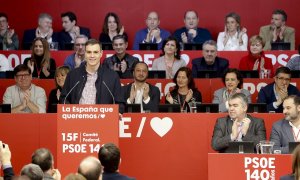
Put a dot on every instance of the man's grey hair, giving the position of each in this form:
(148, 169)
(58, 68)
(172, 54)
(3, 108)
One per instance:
(210, 42)
(43, 16)
(240, 96)
(82, 36)
(32, 171)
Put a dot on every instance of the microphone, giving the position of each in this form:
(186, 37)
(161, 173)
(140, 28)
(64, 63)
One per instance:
(109, 92)
(71, 91)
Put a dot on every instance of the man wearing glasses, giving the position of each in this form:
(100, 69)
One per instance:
(75, 59)
(24, 96)
(273, 94)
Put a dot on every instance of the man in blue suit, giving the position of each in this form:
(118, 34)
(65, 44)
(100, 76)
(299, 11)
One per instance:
(287, 129)
(273, 94)
(71, 30)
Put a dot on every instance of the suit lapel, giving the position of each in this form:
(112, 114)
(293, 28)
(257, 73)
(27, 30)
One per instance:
(287, 129)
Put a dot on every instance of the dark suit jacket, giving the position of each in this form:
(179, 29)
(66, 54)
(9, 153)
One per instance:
(223, 128)
(8, 173)
(267, 95)
(29, 36)
(220, 65)
(115, 176)
(154, 95)
(287, 177)
(282, 134)
(64, 37)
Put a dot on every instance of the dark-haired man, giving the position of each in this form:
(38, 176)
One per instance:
(8, 37)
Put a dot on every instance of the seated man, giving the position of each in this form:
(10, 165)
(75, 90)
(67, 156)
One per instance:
(294, 63)
(90, 167)
(277, 31)
(238, 125)
(140, 92)
(8, 37)
(151, 34)
(109, 156)
(71, 30)
(5, 161)
(77, 57)
(121, 62)
(210, 60)
(25, 97)
(191, 33)
(44, 158)
(43, 30)
(273, 94)
(287, 130)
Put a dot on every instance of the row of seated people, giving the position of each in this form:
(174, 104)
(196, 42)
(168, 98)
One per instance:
(43, 66)
(234, 36)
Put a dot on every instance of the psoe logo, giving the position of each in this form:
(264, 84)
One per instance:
(259, 168)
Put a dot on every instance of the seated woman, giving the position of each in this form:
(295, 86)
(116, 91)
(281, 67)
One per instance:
(233, 82)
(170, 60)
(185, 92)
(256, 59)
(111, 27)
(60, 77)
(234, 38)
(40, 63)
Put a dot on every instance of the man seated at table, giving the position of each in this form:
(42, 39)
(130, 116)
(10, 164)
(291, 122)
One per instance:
(121, 62)
(70, 29)
(273, 94)
(210, 60)
(191, 33)
(237, 126)
(277, 31)
(287, 130)
(77, 57)
(152, 34)
(140, 92)
(24, 96)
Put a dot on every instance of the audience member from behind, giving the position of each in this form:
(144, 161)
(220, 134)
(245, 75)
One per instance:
(91, 83)
(295, 175)
(90, 167)
(277, 31)
(40, 63)
(237, 126)
(5, 161)
(121, 62)
(8, 37)
(77, 57)
(44, 30)
(70, 29)
(294, 63)
(191, 33)
(32, 171)
(111, 27)
(75, 177)
(185, 92)
(141, 92)
(110, 157)
(234, 37)
(152, 33)
(60, 77)
(24, 96)
(256, 59)
(210, 60)
(44, 159)
(286, 130)
(170, 60)
(233, 82)
(273, 94)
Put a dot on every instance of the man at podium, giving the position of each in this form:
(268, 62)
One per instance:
(91, 83)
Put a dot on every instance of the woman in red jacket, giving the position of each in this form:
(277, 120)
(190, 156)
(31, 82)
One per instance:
(256, 59)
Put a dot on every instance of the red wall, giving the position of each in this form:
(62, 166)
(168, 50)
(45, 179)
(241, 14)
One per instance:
(132, 13)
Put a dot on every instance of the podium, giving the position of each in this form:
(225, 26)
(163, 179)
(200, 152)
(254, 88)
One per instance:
(81, 131)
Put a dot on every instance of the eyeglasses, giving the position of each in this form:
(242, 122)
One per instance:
(22, 75)
(283, 79)
(79, 44)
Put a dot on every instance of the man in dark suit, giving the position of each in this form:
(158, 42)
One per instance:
(237, 126)
(273, 94)
(109, 156)
(210, 60)
(71, 30)
(140, 92)
(287, 130)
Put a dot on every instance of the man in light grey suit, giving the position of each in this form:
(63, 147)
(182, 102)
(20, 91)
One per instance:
(277, 31)
(237, 126)
(288, 129)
